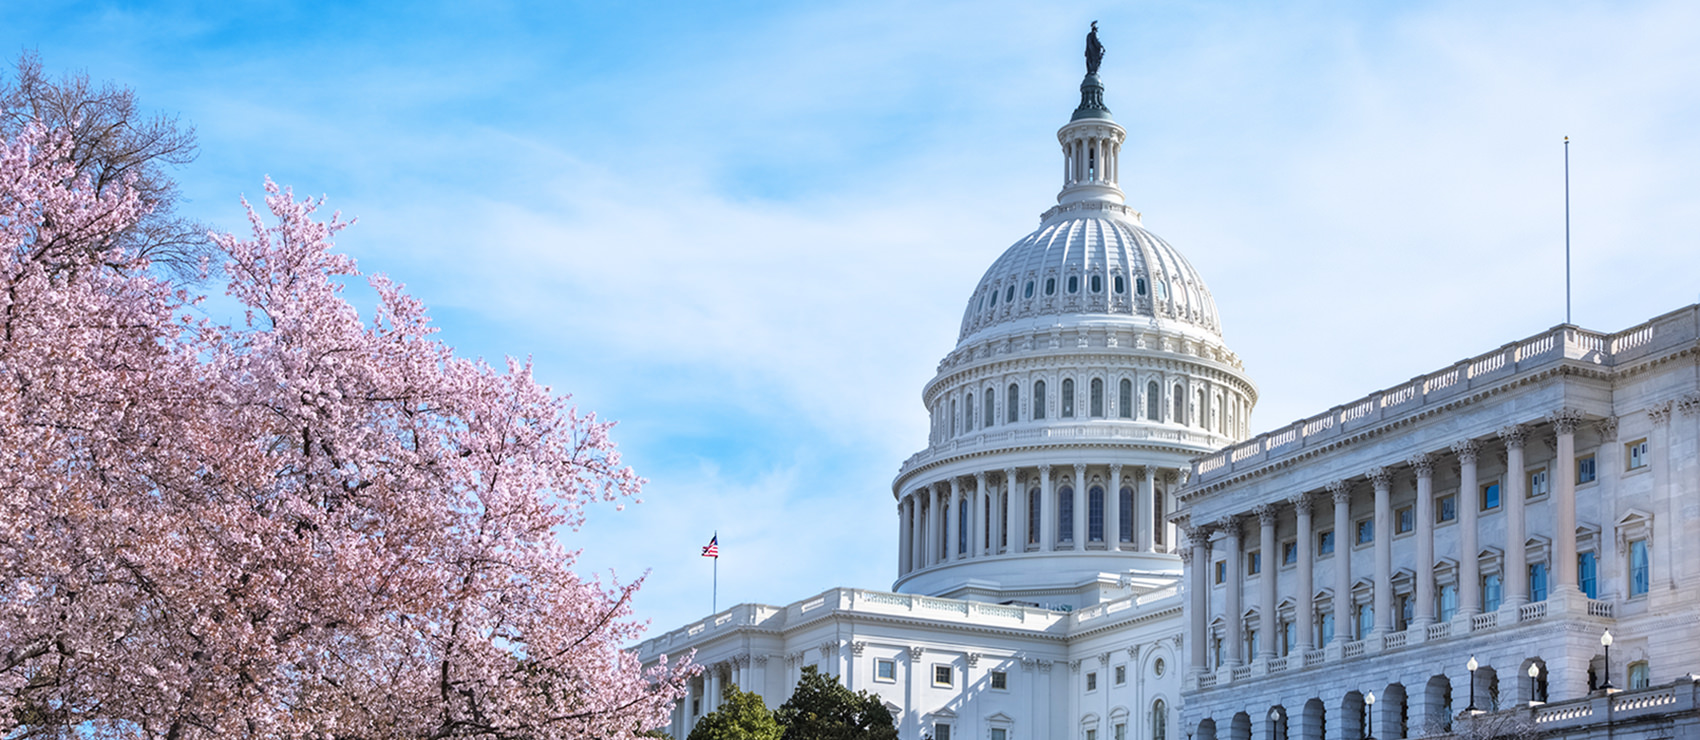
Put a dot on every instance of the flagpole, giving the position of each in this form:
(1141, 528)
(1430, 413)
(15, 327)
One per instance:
(716, 603)
(1566, 229)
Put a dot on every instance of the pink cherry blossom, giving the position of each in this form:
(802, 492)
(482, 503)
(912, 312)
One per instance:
(305, 524)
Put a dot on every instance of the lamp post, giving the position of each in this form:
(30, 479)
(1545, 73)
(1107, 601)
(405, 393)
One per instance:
(1605, 641)
(1275, 723)
(1472, 665)
(1534, 683)
(1369, 716)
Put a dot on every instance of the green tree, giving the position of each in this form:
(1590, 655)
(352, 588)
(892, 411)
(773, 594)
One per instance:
(823, 709)
(741, 716)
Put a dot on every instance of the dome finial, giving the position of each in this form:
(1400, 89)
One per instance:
(1091, 88)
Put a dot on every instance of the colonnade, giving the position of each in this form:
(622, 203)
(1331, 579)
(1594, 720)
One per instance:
(933, 518)
(1464, 455)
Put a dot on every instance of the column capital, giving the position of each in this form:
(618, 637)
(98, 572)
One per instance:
(1199, 536)
(1514, 435)
(1423, 464)
(1186, 556)
(980, 480)
(1080, 474)
(1689, 404)
(1607, 428)
(1381, 477)
(1115, 469)
(1009, 477)
(1045, 469)
(1230, 525)
(1301, 502)
(1565, 421)
(1467, 450)
(1659, 413)
(1266, 514)
(1341, 491)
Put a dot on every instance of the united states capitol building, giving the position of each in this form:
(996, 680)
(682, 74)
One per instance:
(1092, 547)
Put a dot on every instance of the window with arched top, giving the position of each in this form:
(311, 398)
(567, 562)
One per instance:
(1027, 292)
(1050, 286)
(994, 298)
(1009, 294)
(1097, 398)
(1038, 399)
(1012, 404)
(1159, 720)
(1121, 285)
(1033, 498)
(1203, 415)
(1180, 405)
(1095, 514)
(1068, 398)
(1139, 286)
(991, 412)
(953, 417)
(1074, 284)
(1065, 514)
(1153, 402)
(968, 413)
(1097, 283)
(1124, 407)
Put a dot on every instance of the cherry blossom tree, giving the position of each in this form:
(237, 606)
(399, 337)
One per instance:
(298, 524)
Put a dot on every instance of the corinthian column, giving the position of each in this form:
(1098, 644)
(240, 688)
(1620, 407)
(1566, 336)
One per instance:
(982, 505)
(1424, 466)
(1342, 494)
(1266, 517)
(1016, 499)
(1382, 479)
(952, 521)
(1198, 566)
(1113, 510)
(1306, 612)
(1145, 509)
(1469, 508)
(1080, 505)
(1234, 613)
(1564, 423)
(1513, 498)
(905, 520)
(1047, 511)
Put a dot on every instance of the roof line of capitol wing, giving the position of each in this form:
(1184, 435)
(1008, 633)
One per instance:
(873, 605)
(1563, 349)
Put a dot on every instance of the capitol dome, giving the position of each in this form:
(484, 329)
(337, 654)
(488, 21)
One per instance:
(1089, 371)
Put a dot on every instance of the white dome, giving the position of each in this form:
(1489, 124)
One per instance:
(1090, 258)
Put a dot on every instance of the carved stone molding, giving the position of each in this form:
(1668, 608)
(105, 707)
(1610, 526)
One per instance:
(1689, 404)
(1029, 663)
(1266, 514)
(1514, 435)
(857, 647)
(827, 648)
(1423, 464)
(1380, 477)
(1186, 557)
(1133, 651)
(1177, 639)
(1467, 451)
(1341, 491)
(1104, 659)
(1300, 501)
(1659, 413)
(915, 652)
(1565, 421)
(973, 659)
(761, 661)
(1044, 666)
(1074, 666)
(1230, 525)
(1607, 428)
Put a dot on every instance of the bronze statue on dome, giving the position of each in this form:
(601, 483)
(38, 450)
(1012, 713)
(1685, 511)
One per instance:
(1094, 50)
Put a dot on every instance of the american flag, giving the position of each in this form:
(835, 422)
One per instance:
(712, 549)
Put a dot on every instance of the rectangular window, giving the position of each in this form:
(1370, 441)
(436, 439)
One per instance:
(1216, 652)
(1366, 620)
(1121, 731)
(1289, 553)
(1366, 531)
(1325, 628)
(1091, 733)
(1000, 681)
(943, 675)
(1406, 613)
(1490, 496)
(941, 731)
(1091, 680)
(1491, 595)
(1325, 543)
(1221, 571)
(1448, 598)
(1639, 676)
(1251, 644)
(1585, 471)
(999, 733)
(1121, 675)
(1288, 639)
(1587, 574)
(1446, 509)
(885, 670)
(1640, 578)
(1635, 454)
(1539, 485)
(1254, 562)
(1404, 520)
(1537, 582)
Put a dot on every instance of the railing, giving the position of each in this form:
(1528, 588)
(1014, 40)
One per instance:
(1643, 701)
(1241, 673)
(1532, 612)
(1439, 630)
(1486, 621)
(1206, 681)
(1353, 649)
(1059, 434)
(1599, 609)
(1545, 715)
(1277, 665)
(1395, 640)
(1675, 329)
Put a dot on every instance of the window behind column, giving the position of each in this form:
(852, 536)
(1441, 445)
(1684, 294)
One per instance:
(1448, 598)
(1124, 522)
(1065, 514)
(1587, 574)
(1033, 503)
(1586, 470)
(1537, 582)
(1491, 592)
(1490, 496)
(1095, 514)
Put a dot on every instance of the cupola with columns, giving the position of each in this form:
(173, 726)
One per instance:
(1090, 369)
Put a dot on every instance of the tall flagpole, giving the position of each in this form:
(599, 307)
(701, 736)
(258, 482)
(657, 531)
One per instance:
(715, 604)
(1566, 230)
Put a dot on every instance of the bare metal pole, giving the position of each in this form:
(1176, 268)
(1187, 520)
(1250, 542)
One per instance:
(1566, 229)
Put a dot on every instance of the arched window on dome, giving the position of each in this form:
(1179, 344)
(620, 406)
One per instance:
(1097, 283)
(991, 412)
(1038, 399)
(1065, 514)
(1153, 402)
(1050, 286)
(1012, 404)
(994, 297)
(1125, 409)
(1097, 398)
(1009, 294)
(1068, 398)
(952, 417)
(1027, 292)
(1162, 289)
(1095, 514)
(1074, 283)
(1121, 285)
(968, 413)
(1139, 286)
(1124, 511)
(1033, 516)
(943, 528)
(1180, 405)
(962, 529)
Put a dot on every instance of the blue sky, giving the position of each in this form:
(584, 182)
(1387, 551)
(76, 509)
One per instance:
(747, 230)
